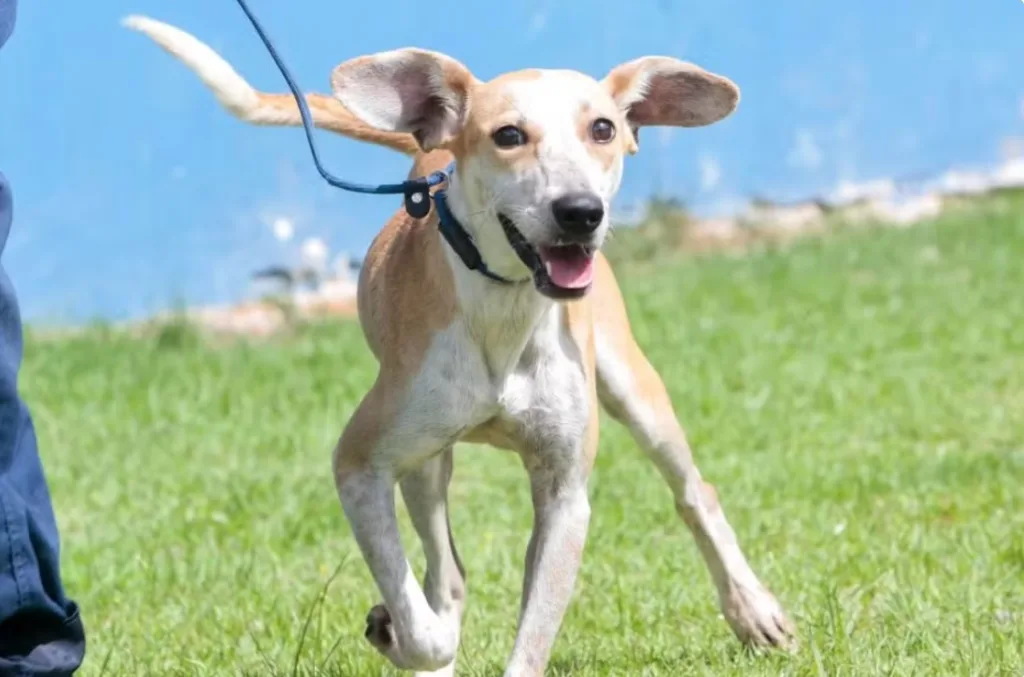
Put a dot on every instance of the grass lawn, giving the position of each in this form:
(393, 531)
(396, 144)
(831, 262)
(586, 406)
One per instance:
(858, 400)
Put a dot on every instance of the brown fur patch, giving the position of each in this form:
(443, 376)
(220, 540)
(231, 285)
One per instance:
(328, 113)
(406, 295)
(613, 322)
(492, 107)
(710, 495)
(406, 289)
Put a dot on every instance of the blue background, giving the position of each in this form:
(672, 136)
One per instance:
(134, 190)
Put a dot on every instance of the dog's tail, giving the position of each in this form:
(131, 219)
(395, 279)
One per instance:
(256, 107)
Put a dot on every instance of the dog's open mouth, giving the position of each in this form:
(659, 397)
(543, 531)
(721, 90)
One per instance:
(570, 266)
(561, 271)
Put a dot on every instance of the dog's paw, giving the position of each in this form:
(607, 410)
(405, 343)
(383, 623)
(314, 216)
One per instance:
(379, 631)
(426, 654)
(758, 620)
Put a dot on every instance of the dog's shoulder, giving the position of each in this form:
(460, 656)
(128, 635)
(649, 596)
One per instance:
(406, 289)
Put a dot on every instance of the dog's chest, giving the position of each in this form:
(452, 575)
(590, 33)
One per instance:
(541, 402)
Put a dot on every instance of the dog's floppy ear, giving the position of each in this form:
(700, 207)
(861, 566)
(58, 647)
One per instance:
(662, 91)
(409, 90)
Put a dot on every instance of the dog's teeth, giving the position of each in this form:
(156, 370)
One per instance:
(547, 267)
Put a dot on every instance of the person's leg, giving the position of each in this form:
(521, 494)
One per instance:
(40, 630)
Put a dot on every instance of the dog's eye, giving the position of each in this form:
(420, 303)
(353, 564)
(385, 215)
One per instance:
(509, 137)
(602, 130)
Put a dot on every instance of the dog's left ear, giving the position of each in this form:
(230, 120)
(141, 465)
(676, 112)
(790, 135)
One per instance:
(662, 91)
(416, 91)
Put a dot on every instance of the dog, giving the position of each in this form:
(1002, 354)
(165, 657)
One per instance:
(521, 358)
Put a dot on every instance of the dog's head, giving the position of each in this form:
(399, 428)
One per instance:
(539, 152)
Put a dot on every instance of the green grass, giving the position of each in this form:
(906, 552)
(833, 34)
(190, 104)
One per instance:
(857, 399)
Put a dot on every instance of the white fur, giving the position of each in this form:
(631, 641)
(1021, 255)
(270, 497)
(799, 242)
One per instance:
(529, 381)
(483, 188)
(361, 92)
(233, 92)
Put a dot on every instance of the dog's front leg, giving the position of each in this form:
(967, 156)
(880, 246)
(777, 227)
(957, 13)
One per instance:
(425, 491)
(634, 394)
(561, 517)
(410, 633)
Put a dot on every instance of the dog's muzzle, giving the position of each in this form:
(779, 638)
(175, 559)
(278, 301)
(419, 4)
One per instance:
(563, 270)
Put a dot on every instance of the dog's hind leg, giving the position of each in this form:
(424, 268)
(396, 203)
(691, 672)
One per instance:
(425, 491)
(379, 441)
(632, 392)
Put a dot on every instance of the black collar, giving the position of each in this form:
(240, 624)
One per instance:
(459, 239)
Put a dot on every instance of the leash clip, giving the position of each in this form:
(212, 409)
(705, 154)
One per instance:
(417, 201)
(417, 192)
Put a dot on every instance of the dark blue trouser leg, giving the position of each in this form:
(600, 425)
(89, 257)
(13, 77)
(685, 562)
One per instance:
(41, 633)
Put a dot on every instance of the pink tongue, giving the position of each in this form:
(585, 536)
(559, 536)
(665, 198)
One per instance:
(570, 272)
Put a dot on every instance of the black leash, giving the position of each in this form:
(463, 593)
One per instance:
(415, 191)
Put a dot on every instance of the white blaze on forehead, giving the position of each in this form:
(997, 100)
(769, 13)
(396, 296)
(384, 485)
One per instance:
(553, 92)
(554, 102)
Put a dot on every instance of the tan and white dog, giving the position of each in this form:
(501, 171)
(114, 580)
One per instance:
(521, 366)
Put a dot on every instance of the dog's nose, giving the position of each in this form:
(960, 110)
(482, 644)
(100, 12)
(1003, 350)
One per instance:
(579, 213)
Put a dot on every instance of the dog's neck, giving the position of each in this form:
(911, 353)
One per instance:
(501, 318)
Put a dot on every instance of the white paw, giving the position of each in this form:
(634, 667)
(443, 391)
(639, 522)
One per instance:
(757, 618)
(446, 671)
(427, 660)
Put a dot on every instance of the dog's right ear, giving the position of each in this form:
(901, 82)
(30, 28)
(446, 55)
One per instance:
(410, 90)
(659, 90)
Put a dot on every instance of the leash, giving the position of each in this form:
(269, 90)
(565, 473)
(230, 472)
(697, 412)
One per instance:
(416, 192)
